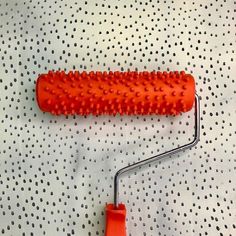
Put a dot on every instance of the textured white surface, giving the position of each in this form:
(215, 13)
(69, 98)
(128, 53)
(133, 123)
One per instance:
(56, 173)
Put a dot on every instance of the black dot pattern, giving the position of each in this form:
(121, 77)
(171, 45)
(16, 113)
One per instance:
(57, 172)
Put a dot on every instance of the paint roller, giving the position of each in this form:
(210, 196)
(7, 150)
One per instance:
(123, 93)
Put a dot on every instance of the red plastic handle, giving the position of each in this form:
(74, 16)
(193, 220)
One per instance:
(115, 220)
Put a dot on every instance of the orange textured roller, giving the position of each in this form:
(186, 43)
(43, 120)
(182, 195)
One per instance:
(114, 93)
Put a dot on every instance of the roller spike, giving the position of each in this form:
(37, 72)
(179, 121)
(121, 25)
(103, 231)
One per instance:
(142, 104)
(185, 79)
(114, 112)
(49, 102)
(173, 112)
(76, 74)
(70, 74)
(133, 100)
(84, 74)
(156, 89)
(47, 88)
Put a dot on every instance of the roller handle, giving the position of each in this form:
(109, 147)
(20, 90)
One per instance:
(115, 220)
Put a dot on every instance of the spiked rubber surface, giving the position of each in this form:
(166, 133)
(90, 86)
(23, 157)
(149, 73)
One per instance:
(130, 93)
